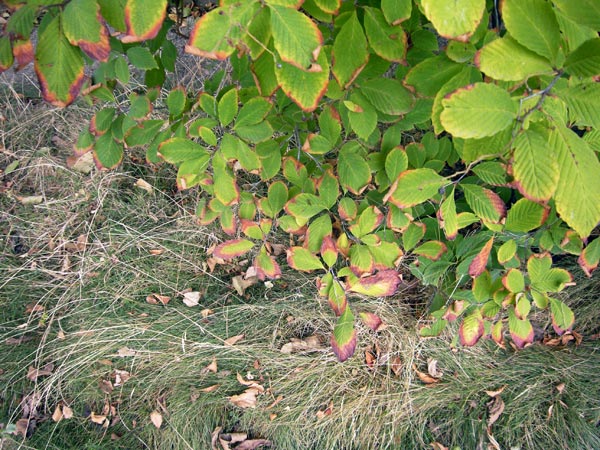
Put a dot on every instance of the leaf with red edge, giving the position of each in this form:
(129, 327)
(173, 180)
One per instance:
(144, 19)
(337, 297)
(414, 186)
(6, 54)
(302, 259)
(485, 203)
(373, 321)
(233, 248)
(266, 266)
(23, 52)
(589, 257)
(497, 333)
(447, 216)
(329, 251)
(58, 65)
(350, 51)
(478, 264)
(521, 331)
(383, 284)
(431, 250)
(562, 317)
(84, 27)
(343, 339)
(471, 329)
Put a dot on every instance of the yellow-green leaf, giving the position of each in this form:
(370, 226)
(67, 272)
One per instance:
(300, 258)
(233, 248)
(343, 340)
(143, 19)
(305, 88)
(456, 19)
(350, 51)
(85, 28)
(415, 186)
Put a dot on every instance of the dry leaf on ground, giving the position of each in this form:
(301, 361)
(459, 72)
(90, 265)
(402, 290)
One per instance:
(212, 367)
(433, 370)
(155, 299)
(246, 399)
(311, 343)
(33, 374)
(156, 418)
(233, 339)
(425, 377)
(240, 284)
(143, 184)
(191, 298)
(126, 351)
(496, 407)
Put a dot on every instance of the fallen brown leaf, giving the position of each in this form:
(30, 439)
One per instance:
(233, 339)
(17, 341)
(156, 418)
(57, 416)
(496, 407)
(246, 399)
(156, 251)
(308, 344)
(191, 299)
(206, 312)
(33, 374)
(496, 392)
(99, 419)
(67, 412)
(240, 284)
(121, 377)
(30, 199)
(425, 377)
(214, 437)
(227, 439)
(212, 367)
(124, 352)
(396, 365)
(327, 412)
(438, 446)
(143, 184)
(212, 388)
(276, 402)
(33, 307)
(433, 370)
(252, 444)
(155, 299)
(560, 388)
(106, 386)
(22, 427)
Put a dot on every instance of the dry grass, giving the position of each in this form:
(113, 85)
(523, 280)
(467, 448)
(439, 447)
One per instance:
(76, 267)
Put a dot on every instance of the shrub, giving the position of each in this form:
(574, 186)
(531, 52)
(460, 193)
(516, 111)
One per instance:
(453, 138)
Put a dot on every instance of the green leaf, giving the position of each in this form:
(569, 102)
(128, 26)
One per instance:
(473, 149)
(514, 281)
(525, 216)
(387, 95)
(430, 75)
(448, 216)
(329, 251)
(224, 184)
(454, 20)
(543, 277)
(143, 19)
(300, 258)
(350, 52)
(578, 191)
(343, 339)
(471, 329)
(266, 266)
(362, 115)
(277, 197)
(304, 206)
(305, 88)
(361, 260)
(497, 60)
(317, 230)
(108, 153)
(141, 58)
(431, 250)
(329, 6)
(477, 111)
(114, 13)
(412, 235)
(192, 172)
(396, 11)
(253, 112)
(367, 222)
(58, 65)
(533, 24)
(387, 41)
(584, 102)
(176, 150)
(233, 248)
(435, 329)
(460, 52)
(228, 107)
(534, 167)
(396, 162)
(297, 39)
(507, 251)
(585, 60)
(84, 27)
(143, 133)
(6, 54)
(492, 172)
(484, 202)
(583, 12)
(176, 101)
(414, 186)
(353, 170)
(521, 331)
(21, 21)
(562, 316)
(589, 257)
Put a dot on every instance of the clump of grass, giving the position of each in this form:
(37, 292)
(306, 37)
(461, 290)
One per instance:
(75, 273)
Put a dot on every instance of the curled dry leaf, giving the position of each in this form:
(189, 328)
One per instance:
(560, 388)
(308, 344)
(156, 251)
(156, 418)
(433, 370)
(155, 299)
(206, 312)
(57, 416)
(278, 400)
(191, 298)
(67, 412)
(143, 184)
(252, 444)
(496, 392)
(212, 367)
(121, 377)
(326, 412)
(228, 439)
(250, 383)
(99, 419)
(212, 388)
(496, 407)
(246, 399)
(425, 377)
(30, 199)
(124, 352)
(240, 284)
(33, 374)
(106, 386)
(233, 339)
(396, 365)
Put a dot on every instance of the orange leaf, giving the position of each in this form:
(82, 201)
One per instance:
(478, 264)
(233, 340)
